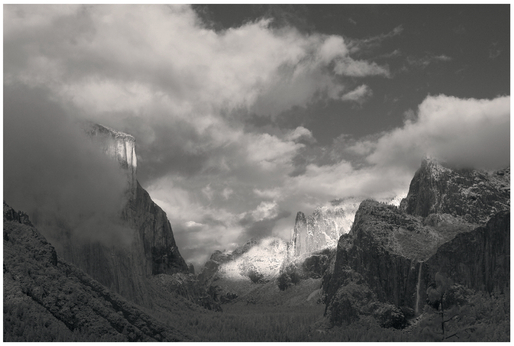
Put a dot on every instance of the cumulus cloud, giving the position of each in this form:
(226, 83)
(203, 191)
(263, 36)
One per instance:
(300, 133)
(463, 132)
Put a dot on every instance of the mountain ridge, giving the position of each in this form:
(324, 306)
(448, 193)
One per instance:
(71, 304)
(397, 252)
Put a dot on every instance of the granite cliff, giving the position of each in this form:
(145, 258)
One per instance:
(472, 194)
(323, 227)
(121, 147)
(453, 222)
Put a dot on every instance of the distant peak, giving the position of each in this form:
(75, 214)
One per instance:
(300, 217)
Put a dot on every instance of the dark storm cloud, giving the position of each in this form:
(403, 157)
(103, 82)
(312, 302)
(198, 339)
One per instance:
(55, 173)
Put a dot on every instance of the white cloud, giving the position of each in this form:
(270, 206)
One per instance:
(359, 94)
(466, 132)
(268, 193)
(270, 152)
(265, 210)
(116, 58)
(193, 224)
(185, 92)
(333, 47)
(300, 133)
(359, 68)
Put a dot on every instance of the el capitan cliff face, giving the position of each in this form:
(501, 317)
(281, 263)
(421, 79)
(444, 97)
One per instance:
(149, 247)
(121, 147)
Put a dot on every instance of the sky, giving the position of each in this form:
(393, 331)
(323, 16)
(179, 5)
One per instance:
(246, 114)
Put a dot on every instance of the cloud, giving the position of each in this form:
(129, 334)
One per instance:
(186, 93)
(464, 132)
(159, 73)
(360, 68)
(427, 60)
(358, 95)
(370, 43)
(56, 174)
(227, 192)
(301, 133)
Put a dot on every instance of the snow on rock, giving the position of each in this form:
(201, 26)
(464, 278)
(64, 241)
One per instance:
(263, 261)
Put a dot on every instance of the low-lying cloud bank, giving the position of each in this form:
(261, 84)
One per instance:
(55, 173)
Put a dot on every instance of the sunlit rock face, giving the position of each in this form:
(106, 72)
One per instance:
(327, 223)
(323, 228)
(120, 146)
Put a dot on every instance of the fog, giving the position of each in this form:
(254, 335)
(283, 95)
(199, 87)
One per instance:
(57, 174)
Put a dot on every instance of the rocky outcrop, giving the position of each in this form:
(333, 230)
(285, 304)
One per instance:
(479, 259)
(17, 216)
(318, 264)
(383, 247)
(472, 194)
(39, 286)
(126, 268)
(323, 228)
(300, 235)
(121, 147)
(396, 252)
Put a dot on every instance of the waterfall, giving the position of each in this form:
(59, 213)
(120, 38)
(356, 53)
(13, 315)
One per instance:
(418, 287)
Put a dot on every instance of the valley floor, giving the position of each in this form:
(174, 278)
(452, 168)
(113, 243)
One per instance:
(481, 318)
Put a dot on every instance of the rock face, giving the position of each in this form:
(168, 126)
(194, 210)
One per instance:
(479, 259)
(119, 146)
(472, 194)
(39, 286)
(395, 253)
(150, 247)
(323, 228)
